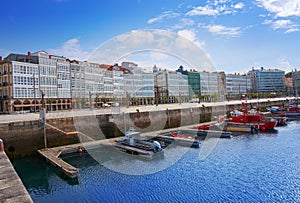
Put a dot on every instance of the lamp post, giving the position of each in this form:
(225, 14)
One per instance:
(180, 98)
(34, 94)
(43, 118)
(90, 98)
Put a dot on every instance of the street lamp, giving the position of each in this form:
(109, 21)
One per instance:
(34, 94)
(43, 117)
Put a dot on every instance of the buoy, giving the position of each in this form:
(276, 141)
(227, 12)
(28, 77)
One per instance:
(263, 129)
(79, 150)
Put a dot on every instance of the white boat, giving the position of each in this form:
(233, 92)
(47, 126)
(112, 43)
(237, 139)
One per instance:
(133, 144)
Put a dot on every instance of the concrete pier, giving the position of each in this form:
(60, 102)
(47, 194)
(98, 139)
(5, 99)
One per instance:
(11, 186)
(52, 155)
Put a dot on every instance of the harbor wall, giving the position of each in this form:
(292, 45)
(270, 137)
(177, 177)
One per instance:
(25, 138)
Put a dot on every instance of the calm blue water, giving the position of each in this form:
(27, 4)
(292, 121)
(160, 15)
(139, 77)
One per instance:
(247, 168)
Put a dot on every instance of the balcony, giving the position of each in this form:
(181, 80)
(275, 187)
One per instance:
(5, 84)
(5, 97)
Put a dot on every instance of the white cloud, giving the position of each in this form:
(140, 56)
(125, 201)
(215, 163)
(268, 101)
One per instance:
(191, 35)
(287, 25)
(167, 14)
(223, 30)
(216, 2)
(70, 49)
(281, 24)
(292, 30)
(187, 22)
(220, 7)
(239, 5)
(206, 10)
(157, 41)
(183, 23)
(281, 8)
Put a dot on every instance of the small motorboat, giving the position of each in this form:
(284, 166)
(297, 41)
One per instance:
(133, 144)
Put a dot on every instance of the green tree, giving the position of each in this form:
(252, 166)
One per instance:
(97, 99)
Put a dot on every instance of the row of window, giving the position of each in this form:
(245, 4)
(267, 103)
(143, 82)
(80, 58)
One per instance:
(46, 70)
(49, 92)
(63, 68)
(30, 70)
(21, 92)
(23, 80)
(48, 81)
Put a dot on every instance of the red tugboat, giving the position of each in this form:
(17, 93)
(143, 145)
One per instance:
(256, 118)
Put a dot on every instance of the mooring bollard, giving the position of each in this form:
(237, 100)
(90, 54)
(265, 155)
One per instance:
(1, 146)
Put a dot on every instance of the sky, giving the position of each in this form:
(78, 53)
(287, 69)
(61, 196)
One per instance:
(235, 35)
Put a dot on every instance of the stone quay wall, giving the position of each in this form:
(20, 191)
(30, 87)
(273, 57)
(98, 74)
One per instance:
(25, 138)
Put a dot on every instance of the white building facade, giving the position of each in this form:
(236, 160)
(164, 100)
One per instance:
(237, 85)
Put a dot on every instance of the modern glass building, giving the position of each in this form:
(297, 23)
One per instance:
(267, 80)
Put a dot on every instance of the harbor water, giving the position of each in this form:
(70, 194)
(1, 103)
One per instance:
(245, 168)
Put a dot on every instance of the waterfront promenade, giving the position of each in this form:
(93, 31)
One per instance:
(4, 119)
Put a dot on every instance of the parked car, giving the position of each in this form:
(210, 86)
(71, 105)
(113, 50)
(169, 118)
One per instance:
(113, 104)
(106, 105)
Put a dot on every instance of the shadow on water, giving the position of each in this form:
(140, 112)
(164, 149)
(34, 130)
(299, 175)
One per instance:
(36, 171)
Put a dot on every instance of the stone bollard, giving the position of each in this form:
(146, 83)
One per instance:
(1, 146)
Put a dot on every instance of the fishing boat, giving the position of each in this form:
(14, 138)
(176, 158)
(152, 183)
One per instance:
(288, 110)
(133, 144)
(281, 119)
(253, 117)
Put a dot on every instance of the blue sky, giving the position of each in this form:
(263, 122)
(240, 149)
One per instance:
(236, 35)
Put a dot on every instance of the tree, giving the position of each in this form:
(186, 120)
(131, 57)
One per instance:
(50, 101)
(164, 99)
(288, 75)
(97, 99)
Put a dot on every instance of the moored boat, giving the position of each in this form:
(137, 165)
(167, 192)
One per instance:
(179, 138)
(239, 127)
(288, 111)
(133, 144)
(256, 118)
(203, 127)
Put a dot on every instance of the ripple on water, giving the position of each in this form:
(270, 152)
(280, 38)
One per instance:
(247, 168)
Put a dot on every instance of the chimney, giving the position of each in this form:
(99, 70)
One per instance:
(29, 53)
(49, 56)
(0, 58)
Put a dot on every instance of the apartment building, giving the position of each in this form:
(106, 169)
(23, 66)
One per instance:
(267, 80)
(19, 79)
(209, 85)
(296, 82)
(237, 85)
(172, 86)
